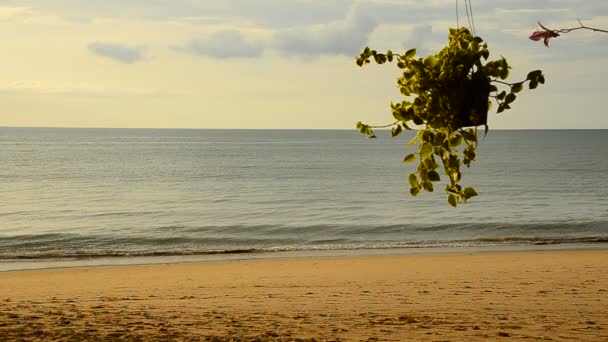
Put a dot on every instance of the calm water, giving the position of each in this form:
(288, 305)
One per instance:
(106, 192)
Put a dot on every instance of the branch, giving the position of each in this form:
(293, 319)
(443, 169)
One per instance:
(502, 82)
(581, 27)
(389, 125)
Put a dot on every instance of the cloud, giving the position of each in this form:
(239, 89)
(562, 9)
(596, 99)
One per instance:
(420, 39)
(344, 37)
(224, 44)
(117, 52)
(269, 13)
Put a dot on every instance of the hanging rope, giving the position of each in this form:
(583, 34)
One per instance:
(457, 16)
(466, 6)
(470, 18)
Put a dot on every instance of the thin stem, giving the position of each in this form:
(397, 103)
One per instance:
(389, 125)
(581, 27)
(503, 82)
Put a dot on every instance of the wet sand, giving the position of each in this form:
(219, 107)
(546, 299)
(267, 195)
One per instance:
(558, 295)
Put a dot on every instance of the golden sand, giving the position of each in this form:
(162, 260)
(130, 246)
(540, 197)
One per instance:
(435, 297)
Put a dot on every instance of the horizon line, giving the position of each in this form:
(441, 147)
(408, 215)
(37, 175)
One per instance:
(282, 129)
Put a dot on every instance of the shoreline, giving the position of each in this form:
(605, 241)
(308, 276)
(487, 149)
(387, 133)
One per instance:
(442, 296)
(26, 264)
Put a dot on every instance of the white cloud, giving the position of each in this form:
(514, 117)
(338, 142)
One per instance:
(419, 39)
(224, 44)
(345, 37)
(117, 52)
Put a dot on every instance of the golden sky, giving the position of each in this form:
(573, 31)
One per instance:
(273, 63)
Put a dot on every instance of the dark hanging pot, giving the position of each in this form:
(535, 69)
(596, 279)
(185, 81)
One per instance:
(473, 101)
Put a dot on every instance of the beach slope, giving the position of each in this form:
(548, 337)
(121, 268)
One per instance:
(556, 295)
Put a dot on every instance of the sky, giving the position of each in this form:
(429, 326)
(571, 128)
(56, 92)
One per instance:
(276, 63)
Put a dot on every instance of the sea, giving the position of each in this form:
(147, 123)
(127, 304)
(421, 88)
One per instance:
(82, 197)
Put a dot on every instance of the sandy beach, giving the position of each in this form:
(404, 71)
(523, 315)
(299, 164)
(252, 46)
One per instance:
(558, 295)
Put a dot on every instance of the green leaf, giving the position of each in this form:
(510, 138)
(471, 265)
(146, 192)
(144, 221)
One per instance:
(409, 158)
(469, 192)
(501, 95)
(510, 98)
(426, 149)
(452, 200)
(428, 186)
(456, 141)
(433, 176)
(533, 84)
(517, 87)
(455, 176)
(361, 127)
(532, 75)
(396, 130)
(410, 53)
(469, 135)
(413, 180)
(414, 191)
(431, 165)
(439, 139)
(398, 115)
(427, 136)
(485, 53)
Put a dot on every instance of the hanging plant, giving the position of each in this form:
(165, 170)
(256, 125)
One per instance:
(447, 96)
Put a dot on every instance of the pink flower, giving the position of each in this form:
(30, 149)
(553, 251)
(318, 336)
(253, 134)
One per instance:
(545, 34)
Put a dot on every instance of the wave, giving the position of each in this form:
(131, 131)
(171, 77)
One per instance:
(182, 239)
(321, 245)
(514, 229)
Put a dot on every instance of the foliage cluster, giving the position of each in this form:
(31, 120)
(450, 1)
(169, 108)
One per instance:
(444, 94)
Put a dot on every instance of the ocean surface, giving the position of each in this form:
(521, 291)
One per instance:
(79, 196)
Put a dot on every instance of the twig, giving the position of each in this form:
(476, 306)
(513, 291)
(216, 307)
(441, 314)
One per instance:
(389, 125)
(581, 27)
(503, 82)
